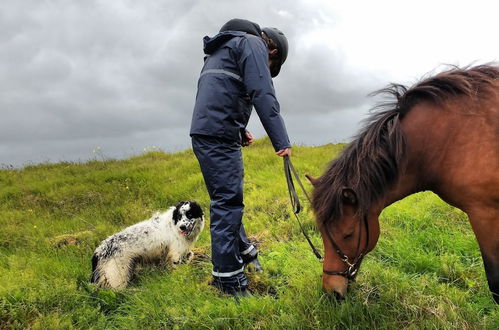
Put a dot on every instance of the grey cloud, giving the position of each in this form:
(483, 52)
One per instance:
(123, 75)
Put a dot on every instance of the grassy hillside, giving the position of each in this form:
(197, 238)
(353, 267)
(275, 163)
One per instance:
(426, 271)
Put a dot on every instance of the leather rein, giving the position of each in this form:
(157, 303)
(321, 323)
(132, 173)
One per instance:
(295, 201)
(352, 266)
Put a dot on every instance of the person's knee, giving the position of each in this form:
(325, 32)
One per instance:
(228, 199)
(235, 201)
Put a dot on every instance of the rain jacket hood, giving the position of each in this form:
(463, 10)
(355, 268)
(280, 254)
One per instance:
(234, 28)
(211, 44)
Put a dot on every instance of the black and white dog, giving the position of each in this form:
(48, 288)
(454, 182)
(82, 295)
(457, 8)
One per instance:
(167, 236)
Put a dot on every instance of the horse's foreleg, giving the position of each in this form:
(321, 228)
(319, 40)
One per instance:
(485, 224)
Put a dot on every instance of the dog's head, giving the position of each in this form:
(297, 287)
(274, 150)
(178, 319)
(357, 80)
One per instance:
(188, 218)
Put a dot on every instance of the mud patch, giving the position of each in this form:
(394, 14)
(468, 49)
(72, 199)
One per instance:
(261, 286)
(201, 256)
(70, 239)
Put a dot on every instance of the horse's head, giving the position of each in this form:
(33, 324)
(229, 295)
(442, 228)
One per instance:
(347, 237)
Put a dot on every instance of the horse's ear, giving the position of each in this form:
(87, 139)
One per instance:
(349, 196)
(313, 181)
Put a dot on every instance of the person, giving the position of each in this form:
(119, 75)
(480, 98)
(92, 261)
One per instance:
(239, 65)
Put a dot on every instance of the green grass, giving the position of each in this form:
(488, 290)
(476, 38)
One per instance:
(426, 271)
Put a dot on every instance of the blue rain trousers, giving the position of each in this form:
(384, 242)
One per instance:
(222, 167)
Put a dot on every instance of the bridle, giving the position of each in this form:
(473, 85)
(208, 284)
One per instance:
(352, 266)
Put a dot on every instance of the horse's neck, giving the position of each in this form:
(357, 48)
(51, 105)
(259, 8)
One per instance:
(415, 170)
(406, 185)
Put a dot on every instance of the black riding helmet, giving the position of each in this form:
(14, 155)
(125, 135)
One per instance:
(282, 46)
(238, 24)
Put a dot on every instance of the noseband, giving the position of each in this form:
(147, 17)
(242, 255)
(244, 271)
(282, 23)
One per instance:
(352, 266)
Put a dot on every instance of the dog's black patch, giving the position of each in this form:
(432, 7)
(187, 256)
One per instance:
(195, 212)
(134, 263)
(95, 275)
(112, 247)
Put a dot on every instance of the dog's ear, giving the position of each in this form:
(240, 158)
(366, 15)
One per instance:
(196, 210)
(176, 215)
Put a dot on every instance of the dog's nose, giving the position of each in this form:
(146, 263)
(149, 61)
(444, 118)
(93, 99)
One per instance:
(183, 227)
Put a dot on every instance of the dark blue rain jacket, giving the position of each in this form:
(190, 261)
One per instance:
(235, 77)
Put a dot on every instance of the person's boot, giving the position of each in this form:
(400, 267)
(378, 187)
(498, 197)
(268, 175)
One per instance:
(234, 287)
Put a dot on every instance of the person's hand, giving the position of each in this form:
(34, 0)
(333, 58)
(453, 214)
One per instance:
(247, 139)
(284, 152)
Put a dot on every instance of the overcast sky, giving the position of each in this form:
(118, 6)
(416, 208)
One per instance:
(118, 77)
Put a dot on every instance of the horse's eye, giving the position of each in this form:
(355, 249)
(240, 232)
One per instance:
(348, 236)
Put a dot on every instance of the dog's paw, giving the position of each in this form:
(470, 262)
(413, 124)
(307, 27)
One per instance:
(184, 259)
(188, 257)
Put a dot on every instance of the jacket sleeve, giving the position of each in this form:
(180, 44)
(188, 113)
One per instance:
(253, 65)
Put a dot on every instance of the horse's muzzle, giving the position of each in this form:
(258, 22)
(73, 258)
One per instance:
(335, 285)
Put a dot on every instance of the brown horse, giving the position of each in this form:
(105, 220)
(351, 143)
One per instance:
(441, 134)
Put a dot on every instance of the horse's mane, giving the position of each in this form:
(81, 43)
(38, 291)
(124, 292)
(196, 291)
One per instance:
(370, 164)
